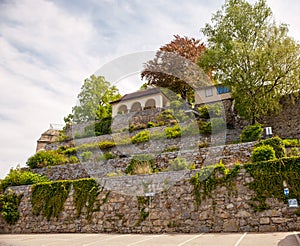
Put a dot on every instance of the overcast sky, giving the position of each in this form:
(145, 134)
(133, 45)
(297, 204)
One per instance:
(48, 48)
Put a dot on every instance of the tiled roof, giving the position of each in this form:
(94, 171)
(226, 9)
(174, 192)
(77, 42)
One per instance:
(138, 94)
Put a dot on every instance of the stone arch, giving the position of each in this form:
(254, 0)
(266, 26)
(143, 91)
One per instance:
(150, 103)
(136, 106)
(123, 109)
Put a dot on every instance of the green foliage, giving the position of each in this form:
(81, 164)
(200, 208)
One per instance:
(143, 202)
(86, 155)
(268, 180)
(171, 149)
(9, 204)
(263, 153)
(294, 152)
(46, 158)
(165, 117)
(101, 127)
(20, 177)
(210, 177)
(86, 192)
(205, 127)
(217, 125)
(291, 142)
(277, 144)
(48, 198)
(251, 133)
(94, 98)
(73, 159)
(140, 164)
(150, 124)
(173, 132)
(190, 130)
(210, 110)
(252, 56)
(179, 163)
(141, 137)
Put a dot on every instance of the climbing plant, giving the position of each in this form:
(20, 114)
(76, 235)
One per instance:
(48, 198)
(210, 177)
(268, 180)
(86, 192)
(9, 204)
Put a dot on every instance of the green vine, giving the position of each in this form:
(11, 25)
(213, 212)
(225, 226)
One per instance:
(49, 198)
(268, 180)
(210, 177)
(9, 204)
(142, 204)
(86, 192)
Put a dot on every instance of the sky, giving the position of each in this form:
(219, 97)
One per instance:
(48, 48)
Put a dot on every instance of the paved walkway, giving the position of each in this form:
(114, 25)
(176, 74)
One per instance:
(207, 239)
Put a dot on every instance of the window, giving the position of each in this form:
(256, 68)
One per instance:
(208, 92)
(222, 90)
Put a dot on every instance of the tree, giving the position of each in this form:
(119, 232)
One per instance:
(252, 55)
(171, 60)
(94, 100)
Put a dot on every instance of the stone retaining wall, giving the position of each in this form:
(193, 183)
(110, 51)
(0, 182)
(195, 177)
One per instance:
(229, 154)
(172, 209)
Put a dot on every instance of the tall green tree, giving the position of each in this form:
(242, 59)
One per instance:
(253, 55)
(94, 100)
(171, 66)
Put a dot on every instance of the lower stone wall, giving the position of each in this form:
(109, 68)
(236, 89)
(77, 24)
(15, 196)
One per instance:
(172, 209)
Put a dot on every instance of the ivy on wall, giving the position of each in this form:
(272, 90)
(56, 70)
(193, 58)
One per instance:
(86, 192)
(9, 204)
(210, 177)
(49, 198)
(268, 180)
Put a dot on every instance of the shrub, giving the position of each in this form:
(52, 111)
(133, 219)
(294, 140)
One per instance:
(294, 152)
(106, 144)
(165, 117)
(86, 156)
(178, 163)
(190, 130)
(251, 133)
(277, 144)
(20, 177)
(173, 132)
(46, 158)
(140, 164)
(150, 124)
(141, 137)
(73, 159)
(263, 153)
(291, 142)
(205, 127)
(176, 104)
(9, 204)
(98, 128)
(217, 125)
(210, 110)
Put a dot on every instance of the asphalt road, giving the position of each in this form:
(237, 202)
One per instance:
(210, 239)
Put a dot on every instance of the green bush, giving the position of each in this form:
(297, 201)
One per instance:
(277, 144)
(140, 164)
(173, 132)
(251, 133)
(106, 144)
(294, 152)
(291, 142)
(86, 156)
(73, 159)
(204, 127)
(150, 124)
(179, 163)
(9, 204)
(210, 111)
(96, 129)
(190, 130)
(20, 177)
(46, 158)
(141, 137)
(176, 105)
(217, 125)
(263, 153)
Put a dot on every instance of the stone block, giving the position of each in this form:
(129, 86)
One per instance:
(264, 221)
(230, 226)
